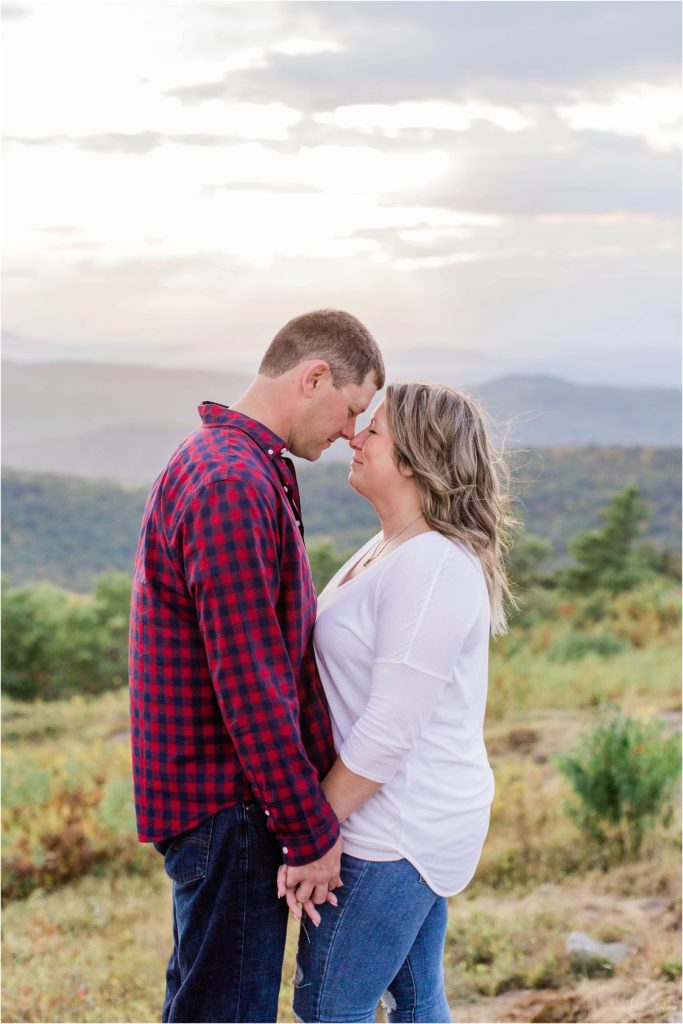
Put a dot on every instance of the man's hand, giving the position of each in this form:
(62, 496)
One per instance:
(311, 883)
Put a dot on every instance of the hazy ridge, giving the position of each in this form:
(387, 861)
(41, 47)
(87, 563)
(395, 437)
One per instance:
(112, 421)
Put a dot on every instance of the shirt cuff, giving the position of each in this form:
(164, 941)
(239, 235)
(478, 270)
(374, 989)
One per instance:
(300, 850)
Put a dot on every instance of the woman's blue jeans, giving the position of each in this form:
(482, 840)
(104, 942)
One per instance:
(229, 927)
(384, 941)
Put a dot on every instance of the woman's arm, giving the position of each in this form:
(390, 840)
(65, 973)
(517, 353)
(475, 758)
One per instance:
(346, 791)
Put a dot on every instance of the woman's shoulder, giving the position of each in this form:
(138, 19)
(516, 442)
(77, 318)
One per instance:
(433, 553)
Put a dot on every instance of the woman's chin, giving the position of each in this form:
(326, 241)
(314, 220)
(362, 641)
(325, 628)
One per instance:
(353, 480)
(358, 486)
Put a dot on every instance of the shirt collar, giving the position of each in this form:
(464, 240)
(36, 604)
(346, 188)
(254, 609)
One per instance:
(213, 414)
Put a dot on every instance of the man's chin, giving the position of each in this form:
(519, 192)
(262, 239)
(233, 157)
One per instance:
(312, 454)
(326, 445)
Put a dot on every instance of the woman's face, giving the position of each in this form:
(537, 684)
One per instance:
(373, 469)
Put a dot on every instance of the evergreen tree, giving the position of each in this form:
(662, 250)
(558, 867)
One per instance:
(608, 558)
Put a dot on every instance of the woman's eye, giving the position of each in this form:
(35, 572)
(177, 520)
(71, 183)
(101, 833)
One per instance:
(371, 431)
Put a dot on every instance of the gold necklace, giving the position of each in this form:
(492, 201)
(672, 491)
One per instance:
(383, 544)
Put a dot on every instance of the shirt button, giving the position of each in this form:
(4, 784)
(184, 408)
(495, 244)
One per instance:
(286, 489)
(270, 451)
(267, 814)
(298, 523)
(285, 849)
(284, 451)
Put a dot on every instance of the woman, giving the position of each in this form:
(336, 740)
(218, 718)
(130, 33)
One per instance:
(401, 640)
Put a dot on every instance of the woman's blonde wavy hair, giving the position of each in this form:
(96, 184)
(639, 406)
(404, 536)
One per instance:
(440, 434)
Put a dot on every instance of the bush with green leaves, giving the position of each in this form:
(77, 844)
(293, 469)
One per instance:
(623, 774)
(56, 643)
(574, 646)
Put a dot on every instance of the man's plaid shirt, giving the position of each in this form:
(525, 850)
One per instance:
(226, 702)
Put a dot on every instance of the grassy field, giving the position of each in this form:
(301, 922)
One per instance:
(87, 909)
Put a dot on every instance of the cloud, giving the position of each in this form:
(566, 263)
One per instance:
(249, 59)
(648, 112)
(447, 170)
(553, 170)
(12, 11)
(437, 115)
(426, 50)
(249, 121)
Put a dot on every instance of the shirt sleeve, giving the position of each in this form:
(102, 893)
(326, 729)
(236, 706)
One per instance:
(426, 607)
(230, 548)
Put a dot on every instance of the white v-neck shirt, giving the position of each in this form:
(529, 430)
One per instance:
(402, 651)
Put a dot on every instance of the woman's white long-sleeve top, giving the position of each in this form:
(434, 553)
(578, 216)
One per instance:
(402, 651)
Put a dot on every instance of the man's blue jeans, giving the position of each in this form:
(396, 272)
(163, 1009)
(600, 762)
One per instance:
(385, 941)
(229, 927)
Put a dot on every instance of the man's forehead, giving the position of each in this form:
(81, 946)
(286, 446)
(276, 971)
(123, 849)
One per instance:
(360, 395)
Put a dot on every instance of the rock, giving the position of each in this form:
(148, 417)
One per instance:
(522, 738)
(545, 889)
(582, 946)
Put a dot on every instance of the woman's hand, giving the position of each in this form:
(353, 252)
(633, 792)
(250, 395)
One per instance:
(293, 903)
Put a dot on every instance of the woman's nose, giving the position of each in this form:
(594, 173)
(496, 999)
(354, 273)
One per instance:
(358, 440)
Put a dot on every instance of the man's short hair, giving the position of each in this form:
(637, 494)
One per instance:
(329, 334)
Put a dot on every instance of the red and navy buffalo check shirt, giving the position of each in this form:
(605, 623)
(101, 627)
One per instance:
(226, 702)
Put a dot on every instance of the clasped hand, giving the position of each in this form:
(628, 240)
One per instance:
(311, 884)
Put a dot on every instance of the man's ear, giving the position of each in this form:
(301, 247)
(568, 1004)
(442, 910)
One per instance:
(313, 376)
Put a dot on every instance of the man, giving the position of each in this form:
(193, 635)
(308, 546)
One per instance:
(230, 730)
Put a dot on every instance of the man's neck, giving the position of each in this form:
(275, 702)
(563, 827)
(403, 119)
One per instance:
(260, 403)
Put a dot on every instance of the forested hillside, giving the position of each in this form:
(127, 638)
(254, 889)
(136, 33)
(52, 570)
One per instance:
(68, 530)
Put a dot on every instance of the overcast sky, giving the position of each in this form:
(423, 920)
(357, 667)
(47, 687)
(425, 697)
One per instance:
(500, 181)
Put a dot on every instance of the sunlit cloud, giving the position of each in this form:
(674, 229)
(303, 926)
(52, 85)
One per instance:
(258, 121)
(252, 58)
(301, 47)
(392, 119)
(651, 113)
(169, 163)
(456, 258)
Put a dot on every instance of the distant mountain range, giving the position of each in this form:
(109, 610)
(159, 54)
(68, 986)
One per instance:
(656, 364)
(115, 421)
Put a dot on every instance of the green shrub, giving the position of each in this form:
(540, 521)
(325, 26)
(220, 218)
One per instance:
(575, 646)
(56, 644)
(623, 774)
(671, 969)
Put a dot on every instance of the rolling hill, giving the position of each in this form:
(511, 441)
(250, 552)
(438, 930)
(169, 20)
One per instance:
(68, 530)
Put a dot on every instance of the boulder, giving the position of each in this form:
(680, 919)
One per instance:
(582, 947)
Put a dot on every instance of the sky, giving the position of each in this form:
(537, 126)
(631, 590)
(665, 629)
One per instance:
(492, 187)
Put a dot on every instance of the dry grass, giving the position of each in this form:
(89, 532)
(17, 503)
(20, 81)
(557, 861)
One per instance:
(92, 944)
(95, 950)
